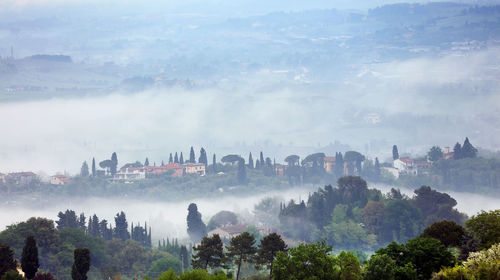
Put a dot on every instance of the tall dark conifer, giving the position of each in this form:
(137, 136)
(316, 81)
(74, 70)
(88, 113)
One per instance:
(93, 167)
(181, 159)
(242, 174)
(170, 159)
(457, 151)
(214, 164)
(192, 158)
(395, 152)
(261, 159)
(468, 151)
(203, 157)
(114, 164)
(146, 162)
(29, 259)
(7, 261)
(195, 226)
(250, 161)
(176, 158)
(81, 264)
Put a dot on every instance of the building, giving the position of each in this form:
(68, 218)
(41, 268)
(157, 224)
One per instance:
(329, 164)
(21, 178)
(447, 153)
(130, 174)
(194, 168)
(405, 166)
(177, 168)
(280, 169)
(59, 180)
(3, 177)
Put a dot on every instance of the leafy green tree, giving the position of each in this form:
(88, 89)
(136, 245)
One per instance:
(395, 152)
(222, 218)
(373, 215)
(435, 153)
(448, 232)
(195, 226)
(485, 226)
(29, 259)
(269, 246)
(68, 219)
(350, 268)
(241, 249)
(164, 264)
(402, 221)
(7, 261)
(81, 264)
(232, 159)
(114, 165)
(12, 275)
(192, 158)
(93, 168)
(84, 170)
(307, 261)
(379, 267)
(209, 253)
(436, 206)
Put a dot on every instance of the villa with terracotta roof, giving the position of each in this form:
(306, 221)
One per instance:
(59, 180)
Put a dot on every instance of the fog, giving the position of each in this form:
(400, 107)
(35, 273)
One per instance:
(168, 219)
(403, 102)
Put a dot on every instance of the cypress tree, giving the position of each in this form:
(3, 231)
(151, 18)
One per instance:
(184, 256)
(176, 158)
(377, 168)
(395, 153)
(89, 227)
(457, 151)
(214, 164)
(170, 159)
(81, 264)
(114, 165)
(257, 164)
(7, 261)
(181, 159)
(196, 228)
(121, 226)
(250, 161)
(261, 159)
(93, 167)
(242, 175)
(95, 226)
(29, 259)
(146, 162)
(203, 157)
(81, 222)
(192, 156)
(84, 171)
(468, 151)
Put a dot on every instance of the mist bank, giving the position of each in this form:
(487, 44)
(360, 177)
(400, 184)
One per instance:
(168, 219)
(415, 104)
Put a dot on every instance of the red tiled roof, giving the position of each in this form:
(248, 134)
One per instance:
(406, 160)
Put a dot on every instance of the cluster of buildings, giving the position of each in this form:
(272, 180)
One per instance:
(174, 169)
(18, 178)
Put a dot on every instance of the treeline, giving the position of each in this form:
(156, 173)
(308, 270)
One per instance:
(102, 229)
(351, 216)
(127, 253)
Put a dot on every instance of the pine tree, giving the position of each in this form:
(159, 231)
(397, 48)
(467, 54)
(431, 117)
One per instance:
(250, 161)
(93, 167)
(176, 158)
(81, 264)
(181, 159)
(241, 249)
(195, 226)
(114, 165)
(29, 259)
(209, 253)
(192, 158)
(395, 153)
(84, 171)
(269, 246)
(170, 159)
(146, 162)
